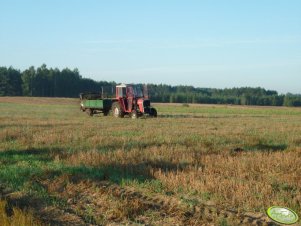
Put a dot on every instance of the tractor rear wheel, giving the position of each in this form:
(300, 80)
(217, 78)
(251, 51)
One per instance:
(117, 110)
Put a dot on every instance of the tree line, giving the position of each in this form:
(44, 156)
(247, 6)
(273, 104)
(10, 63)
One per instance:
(44, 82)
(236, 96)
(52, 82)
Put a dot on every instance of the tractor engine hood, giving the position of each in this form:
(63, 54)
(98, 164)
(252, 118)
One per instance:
(144, 105)
(140, 105)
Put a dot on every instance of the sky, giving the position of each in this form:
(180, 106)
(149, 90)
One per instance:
(204, 43)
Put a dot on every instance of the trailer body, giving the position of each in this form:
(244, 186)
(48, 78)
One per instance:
(93, 103)
(99, 104)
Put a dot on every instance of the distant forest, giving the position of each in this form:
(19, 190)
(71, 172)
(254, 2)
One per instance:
(49, 82)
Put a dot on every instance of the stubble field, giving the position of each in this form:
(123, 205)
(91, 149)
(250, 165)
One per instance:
(193, 165)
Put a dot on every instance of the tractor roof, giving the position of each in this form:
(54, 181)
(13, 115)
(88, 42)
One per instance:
(125, 85)
(121, 85)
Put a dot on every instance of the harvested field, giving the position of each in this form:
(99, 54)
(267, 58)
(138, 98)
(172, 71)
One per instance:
(193, 165)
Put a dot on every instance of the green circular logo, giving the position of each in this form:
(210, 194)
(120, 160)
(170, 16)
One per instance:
(282, 215)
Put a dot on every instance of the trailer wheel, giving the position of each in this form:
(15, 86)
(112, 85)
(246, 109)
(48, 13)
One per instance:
(89, 112)
(117, 111)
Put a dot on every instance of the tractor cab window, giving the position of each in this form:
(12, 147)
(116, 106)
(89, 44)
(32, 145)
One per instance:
(130, 91)
(138, 91)
(121, 92)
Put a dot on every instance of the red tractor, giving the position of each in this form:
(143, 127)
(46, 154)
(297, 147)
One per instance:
(132, 100)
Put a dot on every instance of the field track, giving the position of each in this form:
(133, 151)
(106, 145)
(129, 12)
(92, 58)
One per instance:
(85, 195)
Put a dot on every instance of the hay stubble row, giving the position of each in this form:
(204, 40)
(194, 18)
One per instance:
(238, 158)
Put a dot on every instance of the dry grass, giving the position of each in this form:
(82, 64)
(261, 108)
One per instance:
(251, 181)
(247, 158)
(18, 217)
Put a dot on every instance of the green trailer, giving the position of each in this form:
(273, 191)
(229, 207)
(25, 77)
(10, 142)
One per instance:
(94, 104)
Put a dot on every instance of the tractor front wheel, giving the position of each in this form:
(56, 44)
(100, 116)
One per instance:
(117, 111)
(153, 112)
(134, 114)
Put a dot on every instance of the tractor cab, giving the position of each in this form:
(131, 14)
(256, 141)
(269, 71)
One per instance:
(129, 90)
(132, 99)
